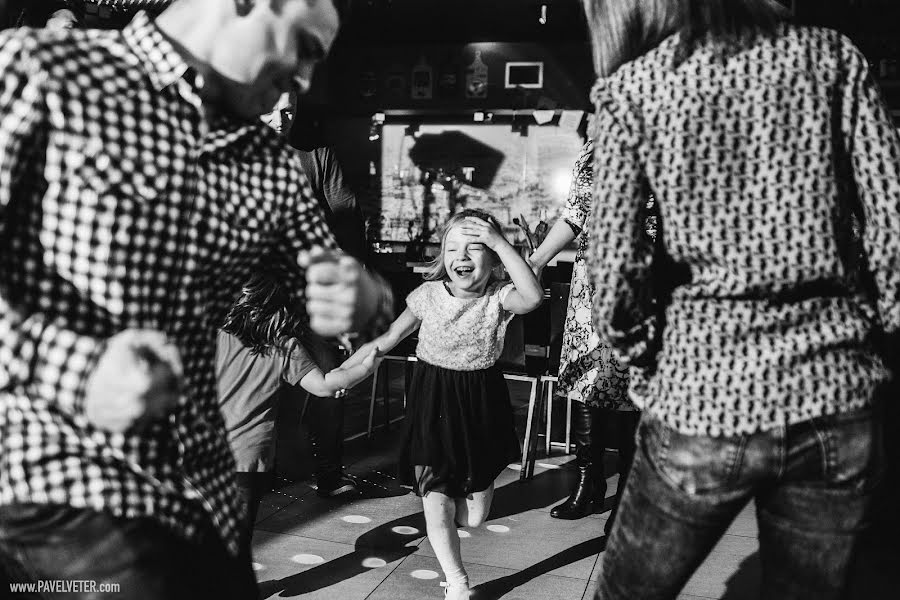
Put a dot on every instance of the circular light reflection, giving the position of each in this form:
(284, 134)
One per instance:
(307, 559)
(405, 530)
(374, 563)
(356, 519)
(423, 574)
(498, 528)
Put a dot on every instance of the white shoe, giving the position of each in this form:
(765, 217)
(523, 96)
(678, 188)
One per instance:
(456, 592)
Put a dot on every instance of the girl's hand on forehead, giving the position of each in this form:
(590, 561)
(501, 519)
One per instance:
(481, 231)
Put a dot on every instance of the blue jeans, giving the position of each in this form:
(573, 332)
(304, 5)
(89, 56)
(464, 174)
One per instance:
(146, 560)
(812, 483)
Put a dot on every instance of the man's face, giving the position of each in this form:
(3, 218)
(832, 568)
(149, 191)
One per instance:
(272, 50)
(282, 116)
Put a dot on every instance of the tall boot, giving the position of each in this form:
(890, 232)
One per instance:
(591, 485)
(626, 422)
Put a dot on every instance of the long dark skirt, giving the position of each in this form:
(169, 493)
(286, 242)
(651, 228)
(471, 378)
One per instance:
(460, 431)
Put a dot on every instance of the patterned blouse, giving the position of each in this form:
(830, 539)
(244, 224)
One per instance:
(756, 314)
(463, 334)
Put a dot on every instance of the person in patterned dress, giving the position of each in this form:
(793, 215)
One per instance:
(759, 333)
(589, 372)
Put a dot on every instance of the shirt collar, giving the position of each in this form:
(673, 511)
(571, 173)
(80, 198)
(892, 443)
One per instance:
(156, 54)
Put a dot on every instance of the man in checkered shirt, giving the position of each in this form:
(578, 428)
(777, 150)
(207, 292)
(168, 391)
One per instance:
(138, 190)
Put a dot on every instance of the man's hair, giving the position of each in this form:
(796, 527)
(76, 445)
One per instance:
(623, 30)
(263, 318)
(436, 269)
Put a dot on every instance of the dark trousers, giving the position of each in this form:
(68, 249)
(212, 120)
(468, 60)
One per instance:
(325, 422)
(812, 483)
(146, 560)
(325, 416)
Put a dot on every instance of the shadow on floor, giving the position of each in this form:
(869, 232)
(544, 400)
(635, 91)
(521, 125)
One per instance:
(498, 588)
(744, 583)
(382, 542)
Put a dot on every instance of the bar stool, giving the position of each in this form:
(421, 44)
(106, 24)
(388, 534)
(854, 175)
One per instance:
(548, 385)
(405, 360)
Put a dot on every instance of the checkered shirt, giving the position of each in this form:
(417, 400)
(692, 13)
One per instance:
(125, 204)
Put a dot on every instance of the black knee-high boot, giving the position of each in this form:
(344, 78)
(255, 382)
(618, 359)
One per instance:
(591, 485)
(626, 423)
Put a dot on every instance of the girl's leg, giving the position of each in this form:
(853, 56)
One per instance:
(473, 510)
(440, 517)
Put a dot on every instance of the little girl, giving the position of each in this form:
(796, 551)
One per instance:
(461, 434)
(258, 348)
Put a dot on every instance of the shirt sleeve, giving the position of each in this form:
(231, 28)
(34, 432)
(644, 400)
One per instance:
(417, 301)
(303, 227)
(621, 253)
(578, 203)
(38, 347)
(873, 146)
(23, 113)
(297, 363)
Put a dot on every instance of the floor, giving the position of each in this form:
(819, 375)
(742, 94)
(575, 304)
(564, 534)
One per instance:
(372, 546)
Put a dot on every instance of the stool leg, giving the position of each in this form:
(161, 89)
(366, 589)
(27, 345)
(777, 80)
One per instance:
(568, 425)
(385, 402)
(549, 401)
(527, 467)
(538, 409)
(372, 402)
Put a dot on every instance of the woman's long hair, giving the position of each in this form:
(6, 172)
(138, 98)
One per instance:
(436, 269)
(262, 318)
(623, 30)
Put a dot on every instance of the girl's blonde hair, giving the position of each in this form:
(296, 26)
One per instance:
(436, 269)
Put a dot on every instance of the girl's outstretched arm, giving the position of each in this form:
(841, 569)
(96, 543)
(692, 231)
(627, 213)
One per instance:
(402, 327)
(528, 293)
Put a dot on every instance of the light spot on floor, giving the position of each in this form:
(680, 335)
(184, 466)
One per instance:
(405, 530)
(498, 528)
(356, 519)
(463, 533)
(258, 567)
(374, 563)
(307, 559)
(548, 465)
(423, 574)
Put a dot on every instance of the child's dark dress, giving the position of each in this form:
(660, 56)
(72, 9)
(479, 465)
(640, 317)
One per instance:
(460, 432)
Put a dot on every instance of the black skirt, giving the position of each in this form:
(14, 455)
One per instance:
(460, 431)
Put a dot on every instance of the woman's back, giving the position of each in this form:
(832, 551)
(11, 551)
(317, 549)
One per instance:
(753, 158)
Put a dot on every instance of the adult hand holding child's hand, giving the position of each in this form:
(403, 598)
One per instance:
(136, 380)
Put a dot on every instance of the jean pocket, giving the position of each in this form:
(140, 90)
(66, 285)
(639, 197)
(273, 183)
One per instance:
(852, 447)
(694, 464)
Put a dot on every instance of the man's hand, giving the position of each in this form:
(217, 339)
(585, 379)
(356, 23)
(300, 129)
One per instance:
(136, 381)
(340, 295)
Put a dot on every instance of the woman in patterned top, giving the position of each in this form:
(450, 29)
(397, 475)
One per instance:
(756, 325)
(589, 372)
(460, 434)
